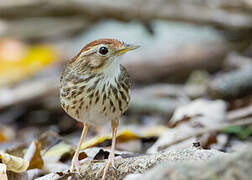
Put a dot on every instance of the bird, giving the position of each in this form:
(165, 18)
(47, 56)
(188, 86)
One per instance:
(94, 89)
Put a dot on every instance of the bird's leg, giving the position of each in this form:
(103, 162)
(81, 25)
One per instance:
(75, 161)
(111, 157)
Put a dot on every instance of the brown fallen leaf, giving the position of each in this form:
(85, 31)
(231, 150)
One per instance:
(2, 137)
(33, 156)
(6, 134)
(14, 163)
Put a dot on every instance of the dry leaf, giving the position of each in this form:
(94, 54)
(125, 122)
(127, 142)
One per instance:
(14, 163)
(18, 61)
(55, 148)
(121, 137)
(125, 135)
(56, 152)
(3, 175)
(187, 119)
(171, 135)
(33, 156)
(136, 146)
(63, 150)
(12, 50)
(6, 134)
(2, 137)
(55, 166)
(201, 112)
(17, 150)
(153, 131)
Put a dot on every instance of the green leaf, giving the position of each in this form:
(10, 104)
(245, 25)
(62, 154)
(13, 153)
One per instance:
(240, 131)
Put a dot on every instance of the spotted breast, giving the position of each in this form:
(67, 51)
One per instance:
(96, 98)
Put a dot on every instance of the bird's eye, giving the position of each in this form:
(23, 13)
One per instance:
(103, 50)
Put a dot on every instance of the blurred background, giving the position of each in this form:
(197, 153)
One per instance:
(192, 72)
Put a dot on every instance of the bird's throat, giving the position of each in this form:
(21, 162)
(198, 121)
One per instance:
(112, 71)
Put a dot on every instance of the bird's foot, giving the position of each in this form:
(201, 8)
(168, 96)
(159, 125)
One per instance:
(75, 167)
(105, 168)
(76, 164)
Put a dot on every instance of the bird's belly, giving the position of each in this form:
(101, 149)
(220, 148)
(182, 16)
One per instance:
(95, 115)
(87, 111)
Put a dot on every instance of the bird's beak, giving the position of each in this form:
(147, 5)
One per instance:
(127, 48)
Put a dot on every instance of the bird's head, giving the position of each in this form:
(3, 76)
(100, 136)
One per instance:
(100, 54)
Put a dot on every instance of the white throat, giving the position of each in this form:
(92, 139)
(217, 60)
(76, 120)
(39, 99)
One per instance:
(112, 71)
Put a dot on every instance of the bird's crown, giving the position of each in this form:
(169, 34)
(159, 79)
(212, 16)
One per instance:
(100, 53)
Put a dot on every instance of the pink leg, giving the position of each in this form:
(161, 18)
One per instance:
(75, 161)
(112, 152)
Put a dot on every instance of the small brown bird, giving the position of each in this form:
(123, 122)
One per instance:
(95, 89)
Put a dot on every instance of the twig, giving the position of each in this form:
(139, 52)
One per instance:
(239, 113)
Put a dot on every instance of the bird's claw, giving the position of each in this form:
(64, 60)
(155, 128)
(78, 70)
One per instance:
(75, 169)
(113, 161)
(105, 168)
(75, 166)
(98, 174)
